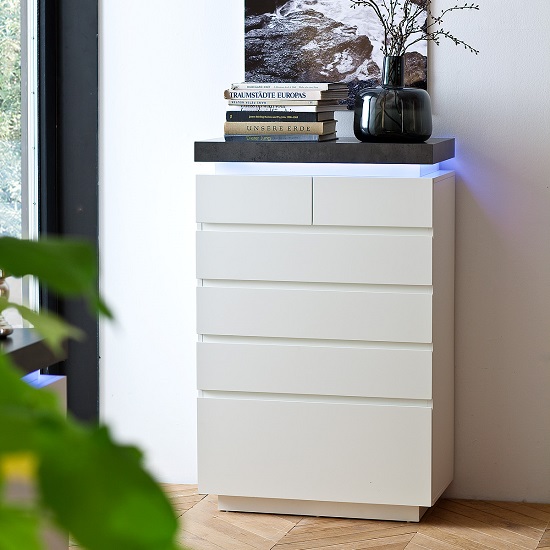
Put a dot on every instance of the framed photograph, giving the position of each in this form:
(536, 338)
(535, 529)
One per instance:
(320, 41)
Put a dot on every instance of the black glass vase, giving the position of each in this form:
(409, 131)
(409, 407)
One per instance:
(391, 112)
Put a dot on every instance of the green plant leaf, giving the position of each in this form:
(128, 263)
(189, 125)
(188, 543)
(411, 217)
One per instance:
(67, 266)
(25, 412)
(135, 514)
(14, 392)
(19, 529)
(53, 329)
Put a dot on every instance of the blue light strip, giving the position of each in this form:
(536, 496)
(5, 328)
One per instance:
(322, 169)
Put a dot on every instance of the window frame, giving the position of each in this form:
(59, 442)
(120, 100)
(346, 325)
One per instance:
(68, 160)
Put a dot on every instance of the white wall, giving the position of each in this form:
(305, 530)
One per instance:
(163, 71)
(492, 105)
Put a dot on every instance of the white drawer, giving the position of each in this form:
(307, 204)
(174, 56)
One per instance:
(319, 314)
(390, 202)
(315, 451)
(337, 258)
(315, 370)
(254, 199)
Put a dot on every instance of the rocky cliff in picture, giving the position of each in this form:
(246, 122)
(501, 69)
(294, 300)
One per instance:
(319, 41)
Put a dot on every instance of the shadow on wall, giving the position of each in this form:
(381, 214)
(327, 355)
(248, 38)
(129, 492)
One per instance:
(501, 324)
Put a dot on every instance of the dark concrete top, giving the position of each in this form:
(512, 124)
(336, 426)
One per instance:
(343, 150)
(27, 350)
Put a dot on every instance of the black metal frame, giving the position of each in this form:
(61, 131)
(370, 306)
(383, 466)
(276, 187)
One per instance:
(68, 168)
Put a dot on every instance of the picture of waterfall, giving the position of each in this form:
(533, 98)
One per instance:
(320, 41)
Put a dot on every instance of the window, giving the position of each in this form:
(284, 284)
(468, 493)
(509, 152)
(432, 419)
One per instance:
(18, 136)
(49, 153)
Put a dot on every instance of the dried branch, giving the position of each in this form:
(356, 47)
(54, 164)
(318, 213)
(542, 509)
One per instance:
(406, 22)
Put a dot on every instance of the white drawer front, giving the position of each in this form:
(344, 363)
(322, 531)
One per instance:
(254, 199)
(390, 202)
(338, 258)
(317, 370)
(340, 315)
(315, 451)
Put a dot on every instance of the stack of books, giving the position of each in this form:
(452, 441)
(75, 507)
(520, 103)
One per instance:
(283, 111)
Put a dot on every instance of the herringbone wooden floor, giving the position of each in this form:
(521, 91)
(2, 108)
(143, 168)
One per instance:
(450, 525)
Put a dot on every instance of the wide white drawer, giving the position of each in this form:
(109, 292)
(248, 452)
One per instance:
(315, 370)
(315, 451)
(390, 202)
(338, 258)
(319, 314)
(254, 199)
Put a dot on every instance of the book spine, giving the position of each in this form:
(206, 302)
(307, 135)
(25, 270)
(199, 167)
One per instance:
(259, 102)
(286, 108)
(273, 94)
(277, 137)
(275, 128)
(280, 86)
(266, 116)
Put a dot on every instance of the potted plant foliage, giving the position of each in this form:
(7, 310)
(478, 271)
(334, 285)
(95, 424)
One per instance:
(82, 481)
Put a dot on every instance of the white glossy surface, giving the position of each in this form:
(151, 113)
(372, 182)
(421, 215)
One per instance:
(254, 199)
(315, 451)
(393, 202)
(340, 315)
(315, 369)
(344, 258)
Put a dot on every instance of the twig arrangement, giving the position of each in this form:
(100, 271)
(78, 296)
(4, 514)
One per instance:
(407, 22)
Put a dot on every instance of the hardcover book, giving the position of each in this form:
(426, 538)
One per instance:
(289, 94)
(272, 128)
(280, 137)
(297, 102)
(276, 116)
(320, 86)
(286, 108)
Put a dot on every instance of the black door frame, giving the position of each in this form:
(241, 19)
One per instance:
(69, 168)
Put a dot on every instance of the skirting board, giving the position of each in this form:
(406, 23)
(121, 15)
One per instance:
(317, 508)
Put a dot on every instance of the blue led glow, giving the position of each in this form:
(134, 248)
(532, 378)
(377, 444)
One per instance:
(322, 169)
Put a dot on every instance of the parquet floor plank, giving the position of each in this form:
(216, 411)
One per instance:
(504, 513)
(312, 531)
(426, 543)
(256, 525)
(490, 519)
(222, 533)
(522, 508)
(538, 506)
(444, 535)
(309, 522)
(339, 538)
(495, 537)
(196, 543)
(398, 542)
(545, 540)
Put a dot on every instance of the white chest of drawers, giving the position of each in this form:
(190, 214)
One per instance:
(325, 353)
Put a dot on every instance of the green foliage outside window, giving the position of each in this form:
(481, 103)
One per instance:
(10, 117)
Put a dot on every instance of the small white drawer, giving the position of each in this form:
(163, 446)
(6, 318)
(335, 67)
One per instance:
(311, 257)
(318, 314)
(254, 199)
(386, 202)
(335, 452)
(315, 370)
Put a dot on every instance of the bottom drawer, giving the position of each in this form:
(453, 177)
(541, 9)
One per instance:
(339, 452)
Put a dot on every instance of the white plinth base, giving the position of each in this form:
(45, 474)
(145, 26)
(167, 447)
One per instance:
(316, 508)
